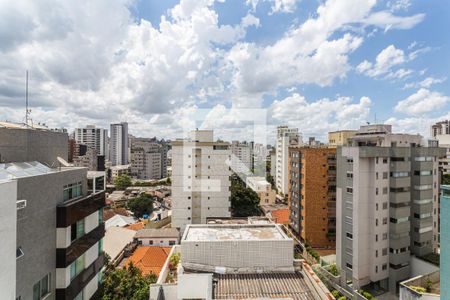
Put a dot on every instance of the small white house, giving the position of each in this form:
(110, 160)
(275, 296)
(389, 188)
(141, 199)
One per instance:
(157, 237)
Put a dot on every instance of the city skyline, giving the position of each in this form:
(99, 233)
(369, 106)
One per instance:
(389, 67)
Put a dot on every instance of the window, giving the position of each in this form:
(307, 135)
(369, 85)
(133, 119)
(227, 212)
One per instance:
(399, 174)
(385, 236)
(100, 247)
(376, 222)
(423, 158)
(349, 235)
(76, 267)
(349, 174)
(171, 243)
(77, 230)
(376, 191)
(376, 253)
(385, 191)
(385, 221)
(423, 187)
(100, 216)
(350, 190)
(422, 173)
(349, 265)
(385, 160)
(376, 269)
(384, 251)
(385, 175)
(72, 191)
(42, 288)
(384, 267)
(376, 237)
(385, 205)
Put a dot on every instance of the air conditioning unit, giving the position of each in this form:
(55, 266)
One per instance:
(21, 204)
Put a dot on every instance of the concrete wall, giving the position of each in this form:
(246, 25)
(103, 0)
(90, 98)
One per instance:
(8, 224)
(163, 242)
(36, 227)
(19, 145)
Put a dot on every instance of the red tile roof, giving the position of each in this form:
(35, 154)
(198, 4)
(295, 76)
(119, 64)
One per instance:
(136, 227)
(281, 216)
(149, 259)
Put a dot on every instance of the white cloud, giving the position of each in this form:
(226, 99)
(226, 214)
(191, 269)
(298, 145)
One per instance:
(387, 20)
(395, 5)
(426, 83)
(284, 6)
(385, 60)
(319, 117)
(423, 101)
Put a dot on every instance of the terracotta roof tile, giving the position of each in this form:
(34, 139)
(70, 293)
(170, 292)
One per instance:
(280, 216)
(149, 259)
(136, 227)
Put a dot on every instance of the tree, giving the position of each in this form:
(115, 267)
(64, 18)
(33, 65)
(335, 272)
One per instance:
(446, 179)
(244, 201)
(122, 182)
(126, 283)
(141, 205)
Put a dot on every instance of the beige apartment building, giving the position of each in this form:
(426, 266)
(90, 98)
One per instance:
(340, 138)
(263, 188)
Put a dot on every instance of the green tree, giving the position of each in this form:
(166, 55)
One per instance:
(244, 201)
(446, 179)
(122, 182)
(141, 205)
(126, 283)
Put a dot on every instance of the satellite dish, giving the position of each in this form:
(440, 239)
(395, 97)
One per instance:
(63, 162)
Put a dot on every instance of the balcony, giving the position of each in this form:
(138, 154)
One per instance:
(72, 211)
(66, 256)
(81, 280)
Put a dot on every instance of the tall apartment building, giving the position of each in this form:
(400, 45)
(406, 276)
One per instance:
(242, 156)
(95, 138)
(118, 144)
(445, 240)
(56, 231)
(200, 179)
(340, 138)
(441, 132)
(387, 206)
(286, 137)
(148, 158)
(145, 161)
(312, 195)
(89, 160)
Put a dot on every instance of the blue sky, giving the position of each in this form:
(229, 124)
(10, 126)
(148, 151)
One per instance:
(317, 65)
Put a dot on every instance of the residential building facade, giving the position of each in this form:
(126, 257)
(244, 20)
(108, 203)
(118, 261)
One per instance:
(94, 138)
(148, 159)
(340, 138)
(263, 188)
(286, 137)
(445, 240)
(312, 195)
(118, 144)
(242, 157)
(387, 206)
(441, 132)
(200, 179)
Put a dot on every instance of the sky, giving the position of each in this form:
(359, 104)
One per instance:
(318, 65)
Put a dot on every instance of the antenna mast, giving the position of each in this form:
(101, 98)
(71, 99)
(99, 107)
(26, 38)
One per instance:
(26, 102)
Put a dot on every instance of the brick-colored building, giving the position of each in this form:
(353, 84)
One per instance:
(312, 195)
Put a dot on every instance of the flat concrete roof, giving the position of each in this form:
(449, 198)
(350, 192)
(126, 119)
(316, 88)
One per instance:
(216, 232)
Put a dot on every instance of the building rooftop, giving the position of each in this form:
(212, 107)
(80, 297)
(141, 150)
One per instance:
(157, 233)
(119, 221)
(267, 285)
(136, 227)
(115, 240)
(149, 259)
(23, 169)
(216, 232)
(280, 216)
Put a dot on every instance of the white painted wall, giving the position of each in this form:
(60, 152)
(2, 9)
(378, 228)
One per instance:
(163, 242)
(201, 282)
(421, 267)
(91, 222)
(62, 277)
(91, 255)
(63, 237)
(8, 230)
(90, 288)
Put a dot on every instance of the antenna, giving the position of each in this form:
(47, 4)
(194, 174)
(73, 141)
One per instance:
(26, 102)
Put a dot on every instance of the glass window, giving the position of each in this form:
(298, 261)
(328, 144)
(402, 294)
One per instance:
(72, 191)
(100, 216)
(100, 247)
(41, 288)
(79, 296)
(76, 267)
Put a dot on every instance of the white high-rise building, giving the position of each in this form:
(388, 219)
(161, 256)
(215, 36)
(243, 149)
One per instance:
(95, 138)
(118, 144)
(200, 179)
(285, 137)
(242, 158)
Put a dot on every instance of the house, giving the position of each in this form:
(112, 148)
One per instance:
(149, 259)
(115, 241)
(157, 237)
